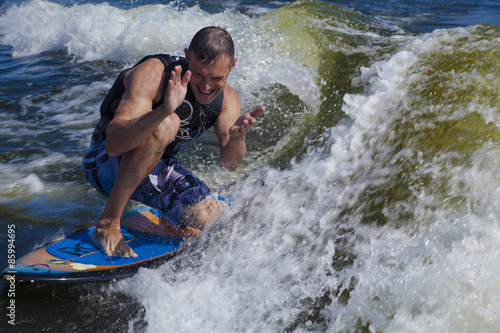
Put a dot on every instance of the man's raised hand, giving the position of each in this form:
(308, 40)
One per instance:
(176, 89)
(245, 122)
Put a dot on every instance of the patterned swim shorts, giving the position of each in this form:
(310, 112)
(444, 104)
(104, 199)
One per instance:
(169, 188)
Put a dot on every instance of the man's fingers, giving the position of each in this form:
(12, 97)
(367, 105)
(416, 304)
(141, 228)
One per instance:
(257, 112)
(245, 122)
(176, 76)
(186, 78)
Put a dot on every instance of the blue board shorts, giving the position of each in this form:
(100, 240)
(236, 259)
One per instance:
(169, 188)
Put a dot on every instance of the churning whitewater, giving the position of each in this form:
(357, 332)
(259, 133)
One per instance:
(366, 202)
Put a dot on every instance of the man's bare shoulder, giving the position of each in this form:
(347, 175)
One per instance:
(148, 75)
(231, 100)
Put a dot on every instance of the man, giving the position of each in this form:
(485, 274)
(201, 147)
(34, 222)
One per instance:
(151, 110)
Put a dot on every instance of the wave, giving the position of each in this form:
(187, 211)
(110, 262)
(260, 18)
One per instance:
(387, 227)
(368, 200)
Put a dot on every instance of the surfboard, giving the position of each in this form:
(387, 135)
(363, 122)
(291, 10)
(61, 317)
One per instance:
(77, 259)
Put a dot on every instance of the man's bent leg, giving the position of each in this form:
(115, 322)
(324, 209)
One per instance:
(179, 194)
(134, 167)
(200, 214)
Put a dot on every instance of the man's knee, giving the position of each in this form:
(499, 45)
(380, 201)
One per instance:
(200, 214)
(165, 132)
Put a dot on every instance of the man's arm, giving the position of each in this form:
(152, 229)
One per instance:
(134, 120)
(231, 129)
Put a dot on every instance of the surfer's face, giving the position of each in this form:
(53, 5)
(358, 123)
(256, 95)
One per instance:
(208, 81)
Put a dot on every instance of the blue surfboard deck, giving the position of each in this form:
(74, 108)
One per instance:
(77, 259)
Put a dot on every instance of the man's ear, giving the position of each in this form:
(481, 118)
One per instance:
(233, 64)
(186, 55)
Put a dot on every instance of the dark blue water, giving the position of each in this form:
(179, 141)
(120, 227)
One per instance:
(425, 16)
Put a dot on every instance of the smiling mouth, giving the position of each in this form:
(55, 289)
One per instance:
(205, 93)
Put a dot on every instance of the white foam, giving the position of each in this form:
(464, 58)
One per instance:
(94, 32)
(432, 279)
(33, 183)
(102, 32)
(272, 258)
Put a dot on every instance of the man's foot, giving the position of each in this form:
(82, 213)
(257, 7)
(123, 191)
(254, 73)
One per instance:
(110, 241)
